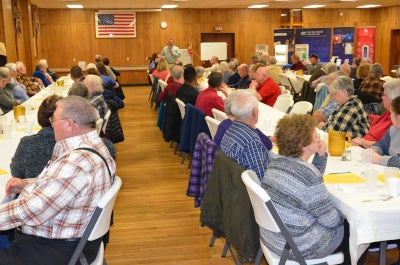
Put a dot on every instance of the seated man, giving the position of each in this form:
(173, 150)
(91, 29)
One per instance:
(350, 115)
(77, 74)
(225, 124)
(274, 70)
(267, 91)
(7, 100)
(53, 210)
(171, 88)
(208, 98)
(244, 82)
(95, 88)
(188, 92)
(313, 64)
(28, 82)
(241, 141)
(372, 86)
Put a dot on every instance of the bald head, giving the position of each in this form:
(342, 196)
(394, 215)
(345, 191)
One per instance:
(346, 68)
(262, 74)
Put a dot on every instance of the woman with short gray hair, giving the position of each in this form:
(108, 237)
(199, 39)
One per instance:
(350, 116)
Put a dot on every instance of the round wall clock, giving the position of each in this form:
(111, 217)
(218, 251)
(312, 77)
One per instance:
(163, 25)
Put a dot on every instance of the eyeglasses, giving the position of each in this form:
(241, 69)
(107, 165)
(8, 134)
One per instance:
(52, 119)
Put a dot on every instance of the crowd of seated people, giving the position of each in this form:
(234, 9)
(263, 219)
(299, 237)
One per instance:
(233, 89)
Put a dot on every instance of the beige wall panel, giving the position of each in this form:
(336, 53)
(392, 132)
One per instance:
(69, 34)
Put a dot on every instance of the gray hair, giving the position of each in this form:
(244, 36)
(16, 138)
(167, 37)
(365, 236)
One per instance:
(199, 71)
(177, 72)
(41, 63)
(329, 67)
(342, 83)
(232, 65)
(228, 102)
(272, 60)
(94, 83)
(243, 104)
(392, 88)
(4, 73)
(18, 65)
(79, 89)
(223, 66)
(12, 67)
(79, 110)
(376, 70)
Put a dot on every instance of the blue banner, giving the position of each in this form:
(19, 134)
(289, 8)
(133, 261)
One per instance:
(343, 43)
(285, 36)
(318, 40)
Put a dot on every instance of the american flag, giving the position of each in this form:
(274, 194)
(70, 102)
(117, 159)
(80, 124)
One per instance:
(115, 25)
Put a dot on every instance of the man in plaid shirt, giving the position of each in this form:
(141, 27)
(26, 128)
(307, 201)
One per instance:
(28, 81)
(53, 210)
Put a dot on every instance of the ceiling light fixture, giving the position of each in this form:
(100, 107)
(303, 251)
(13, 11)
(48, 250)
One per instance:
(75, 6)
(257, 6)
(169, 6)
(314, 6)
(368, 6)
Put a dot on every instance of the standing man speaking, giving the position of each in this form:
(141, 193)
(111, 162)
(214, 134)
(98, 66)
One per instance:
(171, 53)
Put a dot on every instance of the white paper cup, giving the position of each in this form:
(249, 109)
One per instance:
(28, 127)
(370, 178)
(21, 119)
(393, 185)
(391, 172)
(366, 156)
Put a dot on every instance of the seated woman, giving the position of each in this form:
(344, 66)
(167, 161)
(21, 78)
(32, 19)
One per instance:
(30, 157)
(225, 124)
(350, 116)
(388, 147)
(108, 82)
(297, 189)
(41, 73)
(162, 71)
(380, 124)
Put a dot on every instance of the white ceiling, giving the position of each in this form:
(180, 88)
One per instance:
(151, 4)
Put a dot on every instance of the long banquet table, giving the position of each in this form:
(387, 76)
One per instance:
(372, 221)
(9, 145)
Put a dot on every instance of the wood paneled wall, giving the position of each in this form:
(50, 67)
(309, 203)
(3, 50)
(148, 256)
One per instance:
(68, 36)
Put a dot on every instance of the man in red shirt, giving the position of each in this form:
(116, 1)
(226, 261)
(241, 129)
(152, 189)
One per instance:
(208, 98)
(268, 91)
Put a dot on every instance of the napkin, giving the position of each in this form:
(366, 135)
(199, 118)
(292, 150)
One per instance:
(3, 172)
(342, 178)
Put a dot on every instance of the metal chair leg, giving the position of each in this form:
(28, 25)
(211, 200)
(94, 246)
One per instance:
(212, 241)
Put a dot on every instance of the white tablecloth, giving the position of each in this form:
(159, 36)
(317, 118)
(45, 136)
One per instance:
(372, 221)
(9, 145)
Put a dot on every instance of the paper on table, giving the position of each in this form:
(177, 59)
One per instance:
(342, 178)
(3, 172)
(382, 178)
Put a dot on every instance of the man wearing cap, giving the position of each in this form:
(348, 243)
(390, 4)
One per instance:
(313, 64)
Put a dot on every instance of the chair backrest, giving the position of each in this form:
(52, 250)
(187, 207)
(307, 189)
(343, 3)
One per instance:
(151, 78)
(181, 106)
(99, 223)
(266, 215)
(283, 103)
(106, 118)
(258, 197)
(219, 115)
(99, 124)
(212, 125)
(162, 84)
(302, 107)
